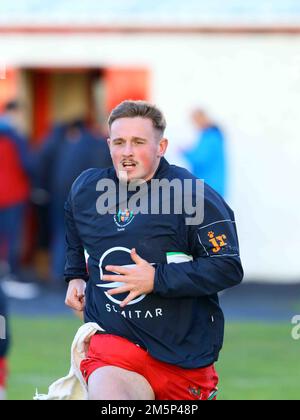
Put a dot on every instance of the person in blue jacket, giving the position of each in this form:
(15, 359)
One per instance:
(207, 157)
(149, 279)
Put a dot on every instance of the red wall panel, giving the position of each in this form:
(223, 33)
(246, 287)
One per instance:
(125, 83)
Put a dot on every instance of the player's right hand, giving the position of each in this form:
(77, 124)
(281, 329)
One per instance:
(75, 297)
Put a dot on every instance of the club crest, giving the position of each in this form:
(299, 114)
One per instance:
(123, 218)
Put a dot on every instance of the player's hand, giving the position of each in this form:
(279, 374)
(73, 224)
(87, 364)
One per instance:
(75, 297)
(138, 280)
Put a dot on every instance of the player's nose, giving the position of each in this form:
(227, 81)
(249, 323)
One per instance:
(128, 150)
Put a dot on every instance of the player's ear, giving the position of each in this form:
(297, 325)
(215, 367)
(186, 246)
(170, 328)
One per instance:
(108, 142)
(162, 148)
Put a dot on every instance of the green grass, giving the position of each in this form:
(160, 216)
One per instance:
(40, 354)
(258, 361)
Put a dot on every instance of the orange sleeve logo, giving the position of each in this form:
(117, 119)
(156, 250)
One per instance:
(218, 242)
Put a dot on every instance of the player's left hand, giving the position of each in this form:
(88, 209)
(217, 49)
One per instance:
(138, 280)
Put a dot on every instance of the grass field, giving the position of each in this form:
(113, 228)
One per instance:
(258, 361)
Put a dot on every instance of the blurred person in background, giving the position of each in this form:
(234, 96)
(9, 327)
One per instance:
(67, 151)
(14, 193)
(4, 346)
(207, 157)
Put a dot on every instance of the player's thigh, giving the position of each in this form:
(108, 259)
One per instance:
(114, 383)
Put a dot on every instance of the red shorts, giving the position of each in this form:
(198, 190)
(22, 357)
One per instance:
(168, 382)
(3, 372)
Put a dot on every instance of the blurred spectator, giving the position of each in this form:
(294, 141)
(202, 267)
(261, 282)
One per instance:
(207, 157)
(67, 151)
(14, 193)
(4, 345)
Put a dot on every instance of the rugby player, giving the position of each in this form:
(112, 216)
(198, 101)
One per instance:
(149, 279)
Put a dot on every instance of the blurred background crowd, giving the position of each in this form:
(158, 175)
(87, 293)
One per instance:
(227, 77)
(35, 182)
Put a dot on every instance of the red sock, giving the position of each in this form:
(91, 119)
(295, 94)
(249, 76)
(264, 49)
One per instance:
(3, 372)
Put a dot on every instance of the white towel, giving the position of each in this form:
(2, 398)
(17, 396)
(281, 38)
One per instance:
(73, 386)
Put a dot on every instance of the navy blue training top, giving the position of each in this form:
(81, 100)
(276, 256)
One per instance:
(181, 321)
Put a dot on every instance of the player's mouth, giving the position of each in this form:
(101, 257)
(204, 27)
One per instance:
(128, 164)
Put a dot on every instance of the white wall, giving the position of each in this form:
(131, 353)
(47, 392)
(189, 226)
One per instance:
(251, 85)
